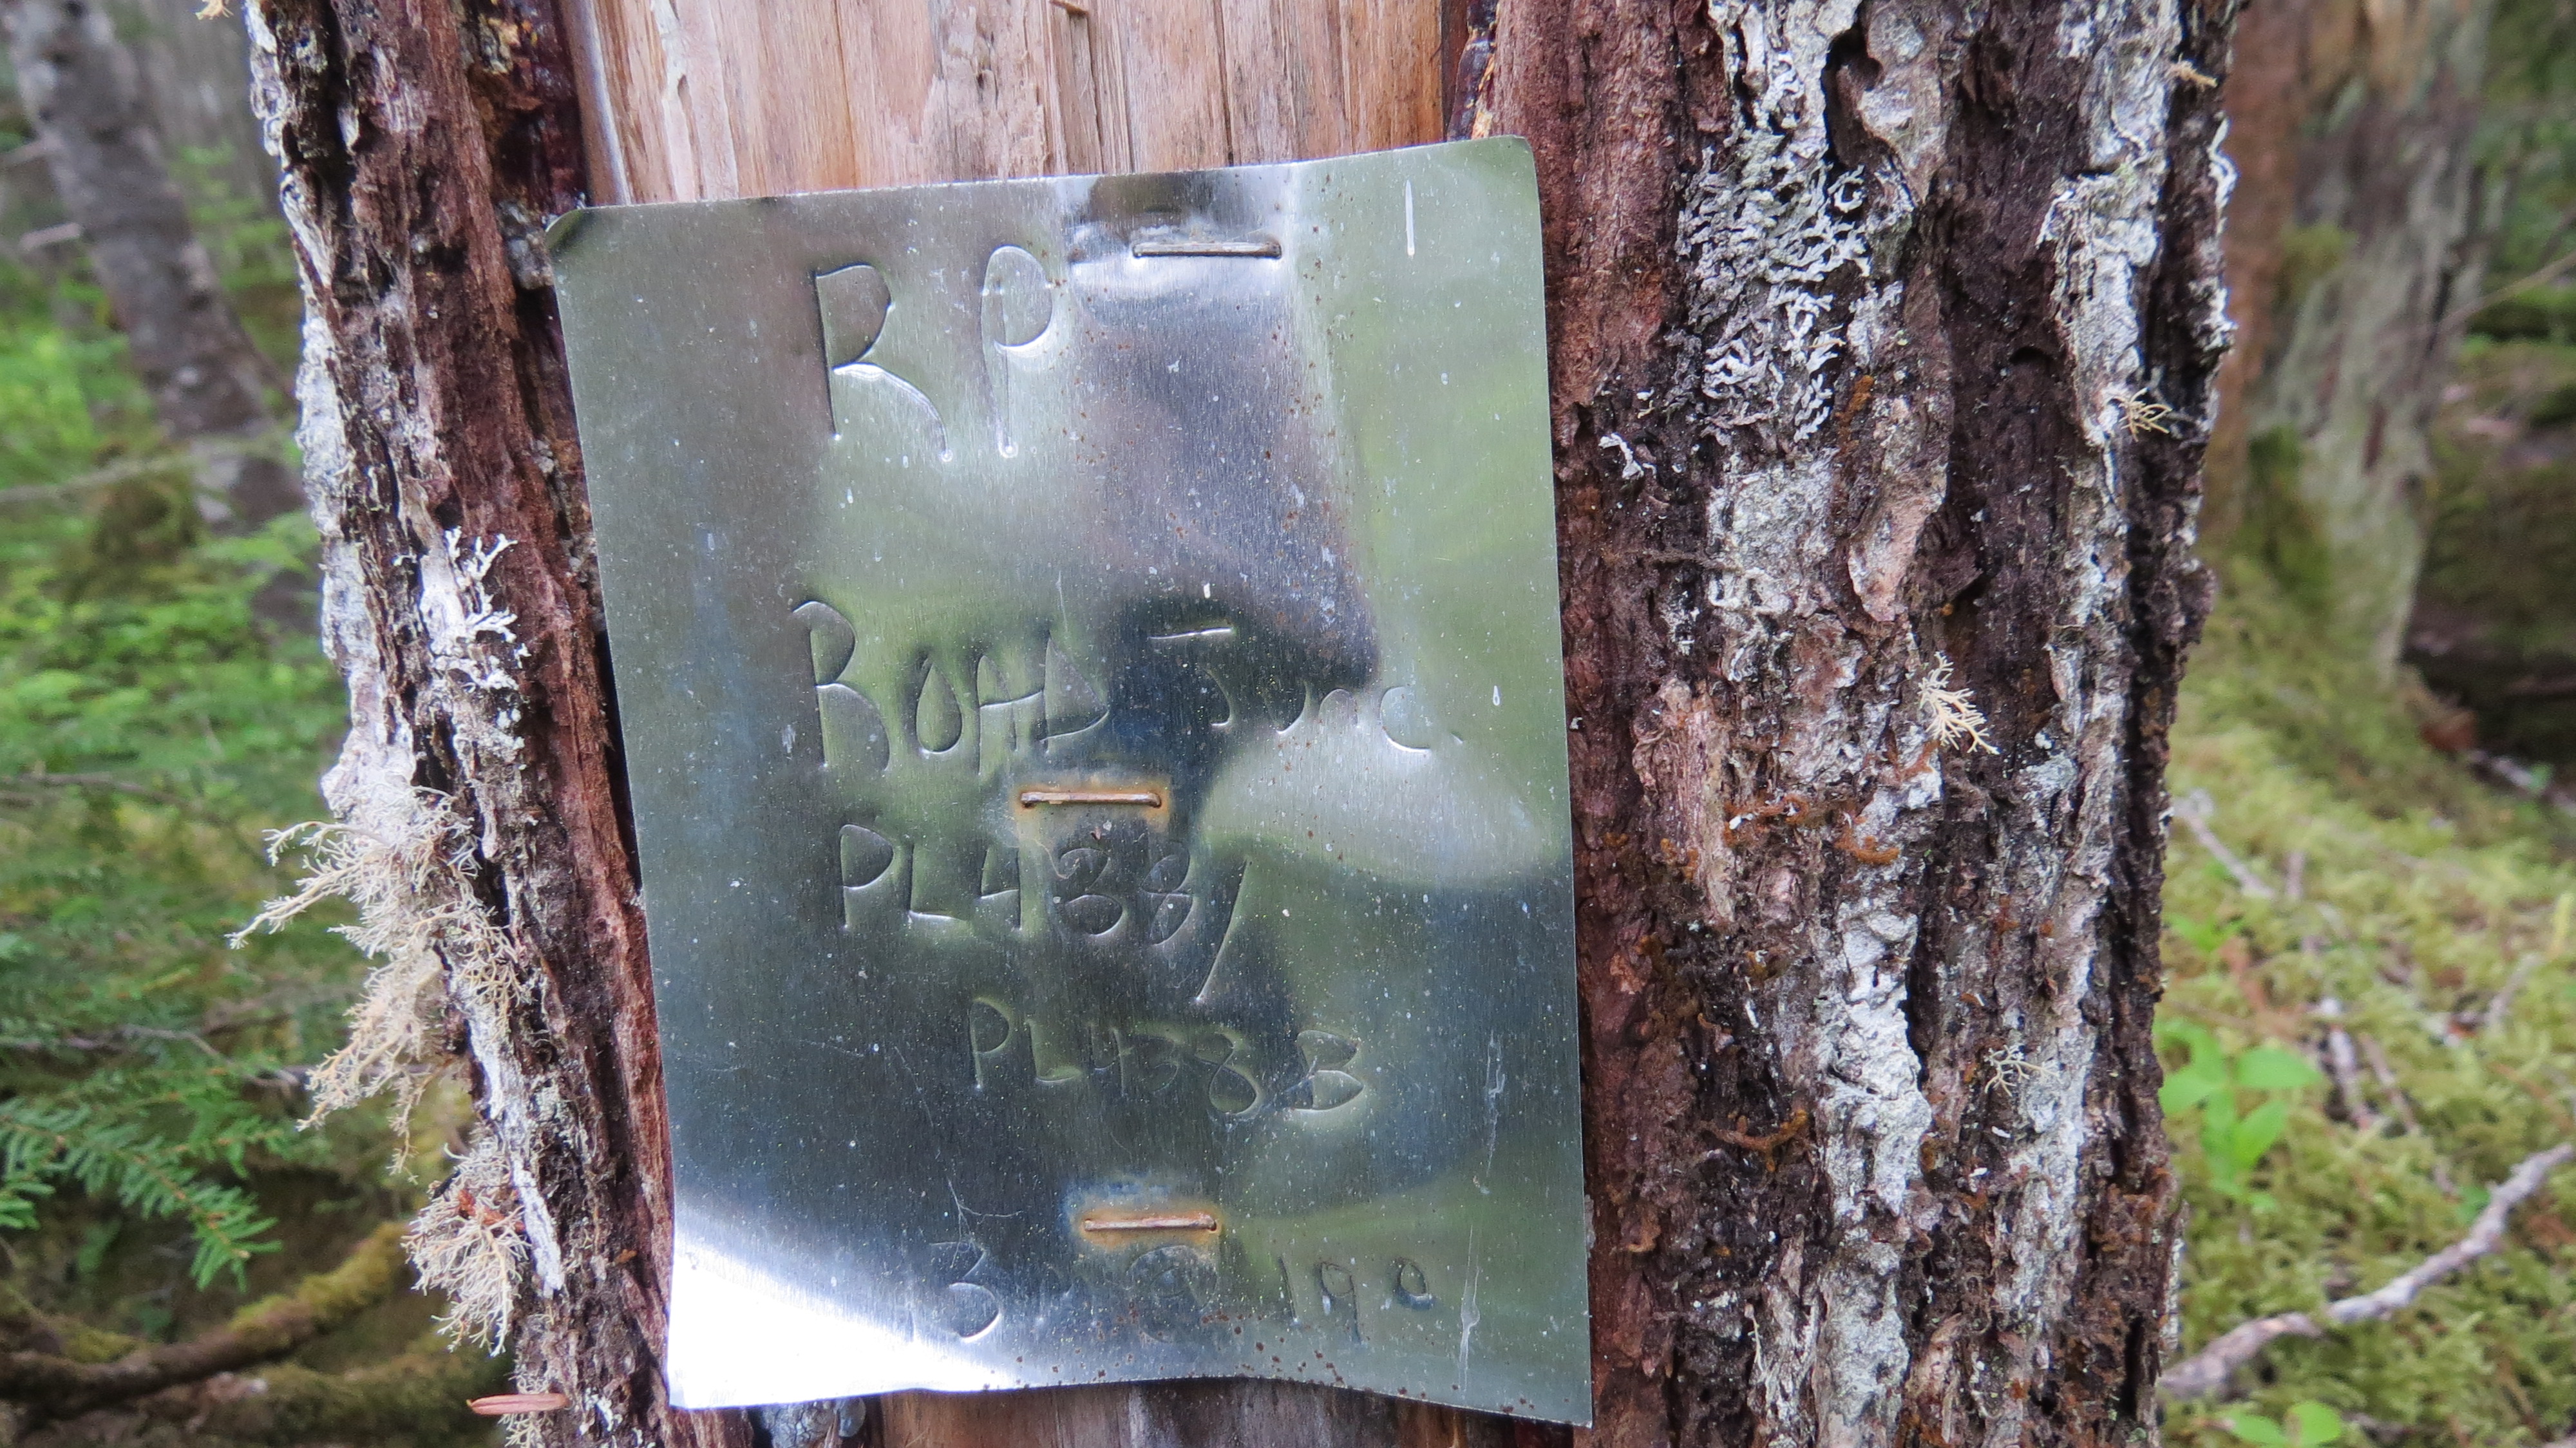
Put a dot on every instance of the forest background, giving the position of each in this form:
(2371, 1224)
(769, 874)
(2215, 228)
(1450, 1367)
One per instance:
(2371, 911)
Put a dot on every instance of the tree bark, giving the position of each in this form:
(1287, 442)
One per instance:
(85, 93)
(1883, 350)
(2354, 262)
(1883, 346)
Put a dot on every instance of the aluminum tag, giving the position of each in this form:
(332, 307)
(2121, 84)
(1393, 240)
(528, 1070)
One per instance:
(1087, 656)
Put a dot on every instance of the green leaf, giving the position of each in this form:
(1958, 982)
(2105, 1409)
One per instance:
(2254, 1135)
(2313, 1424)
(2199, 1040)
(2255, 1428)
(2187, 1088)
(2270, 1068)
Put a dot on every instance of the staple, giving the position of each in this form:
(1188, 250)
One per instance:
(1182, 1222)
(1149, 798)
(1257, 246)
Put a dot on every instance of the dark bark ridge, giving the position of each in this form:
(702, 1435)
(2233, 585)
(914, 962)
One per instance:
(1883, 339)
(423, 143)
(208, 383)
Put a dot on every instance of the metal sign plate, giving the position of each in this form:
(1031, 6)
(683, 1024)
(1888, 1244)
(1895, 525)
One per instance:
(1087, 657)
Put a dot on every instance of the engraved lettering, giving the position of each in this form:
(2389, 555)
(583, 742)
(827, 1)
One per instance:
(1073, 702)
(1208, 935)
(1231, 1090)
(937, 721)
(1018, 306)
(1080, 865)
(870, 876)
(1010, 715)
(967, 1308)
(855, 304)
(1166, 900)
(1018, 302)
(854, 301)
(1340, 1295)
(831, 638)
(1406, 719)
(1093, 914)
(1001, 872)
(1168, 1286)
(1148, 1063)
(1326, 1085)
(1141, 1061)
(1045, 1047)
(854, 734)
(1410, 1287)
(990, 1029)
(865, 857)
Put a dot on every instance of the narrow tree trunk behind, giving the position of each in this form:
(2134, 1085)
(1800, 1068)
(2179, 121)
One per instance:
(196, 74)
(2354, 261)
(85, 92)
(1883, 344)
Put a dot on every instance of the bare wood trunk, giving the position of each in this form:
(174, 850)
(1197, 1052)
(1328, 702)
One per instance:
(85, 92)
(1883, 348)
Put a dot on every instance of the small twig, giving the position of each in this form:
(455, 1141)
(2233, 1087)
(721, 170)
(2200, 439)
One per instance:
(2403, 1105)
(2344, 1065)
(10, 787)
(2538, 277)
(2194, 810)
(112, 1041)
(262, 444)
(2502, 1005)
(2206, 1372)
(61, 234)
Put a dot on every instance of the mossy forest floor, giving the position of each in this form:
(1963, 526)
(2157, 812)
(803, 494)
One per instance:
(2425, 914)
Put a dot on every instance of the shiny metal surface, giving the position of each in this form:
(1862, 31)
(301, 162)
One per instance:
(1087, 657)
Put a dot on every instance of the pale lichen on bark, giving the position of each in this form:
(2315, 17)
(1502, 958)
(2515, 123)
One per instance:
(1817, 335)
(457, 598)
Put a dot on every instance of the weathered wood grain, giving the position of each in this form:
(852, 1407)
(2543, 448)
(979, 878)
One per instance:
(696, 99)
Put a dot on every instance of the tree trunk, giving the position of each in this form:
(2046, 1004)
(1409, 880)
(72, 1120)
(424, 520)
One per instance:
(196, 72)
(85, 93)
(1907, 317)
(1883, 351)
(2353, 260)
